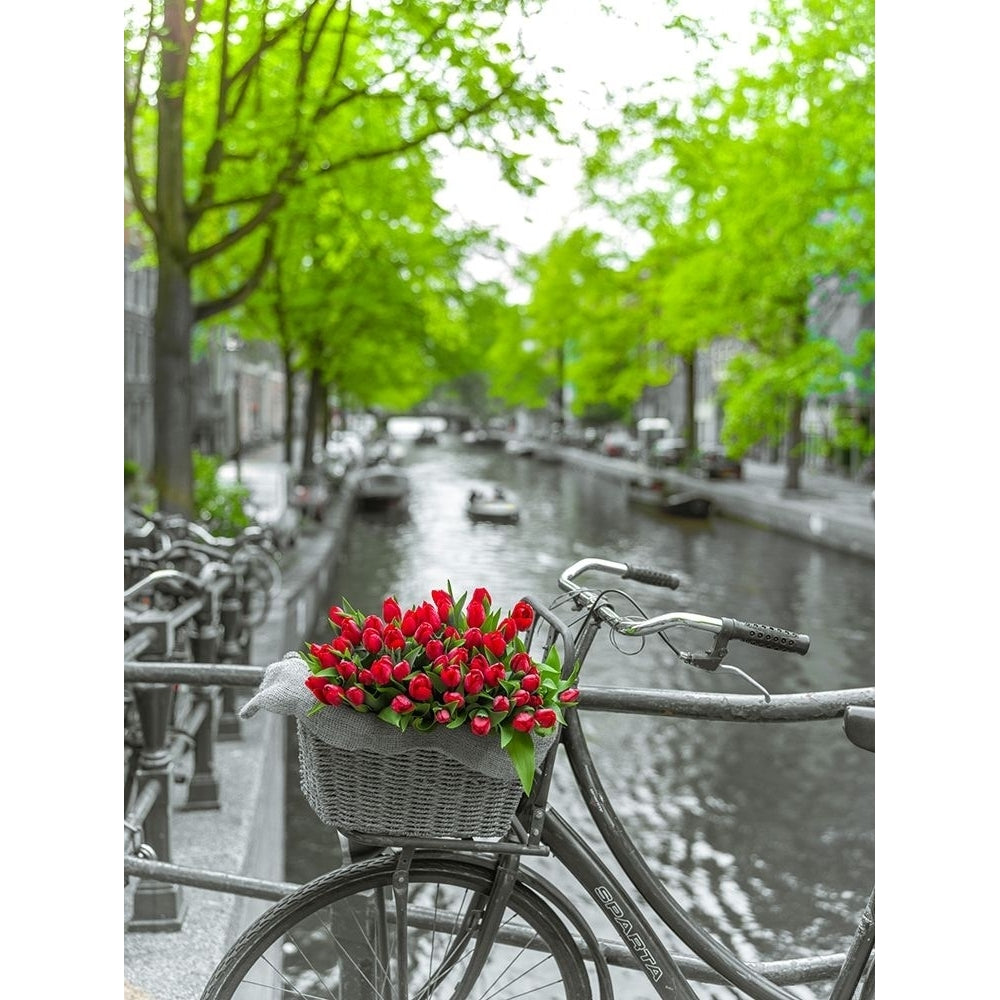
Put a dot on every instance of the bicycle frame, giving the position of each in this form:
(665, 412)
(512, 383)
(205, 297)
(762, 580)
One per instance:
(621, 908)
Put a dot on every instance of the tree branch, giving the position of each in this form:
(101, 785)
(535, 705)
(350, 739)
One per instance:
(203, 310)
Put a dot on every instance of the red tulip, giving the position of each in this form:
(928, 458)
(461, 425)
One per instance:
(373, 621)
(520, 697)
(421, 688)
(355, 696)
(480, 724)
(523, 722)
(494, 673)
(401, 670)
(332, 694)
(433, 647)
(482, 596)
(569, 696)
(523, 614)
(474, 681)
(520, 663)
(545, 717)
(401, 704)
(475, 614)
(390, 610)
(315, 683)
(326, 657)
(337, 615)
(495, 643)
(371, 640)
(409, 623)
(428, 614)
(473, 638)
(530, 682)
(501, 703)
(451, 677)
(442, 716)
(393, 638)
(453, 698)
(382, 669)
(507, 628)
(351, 631)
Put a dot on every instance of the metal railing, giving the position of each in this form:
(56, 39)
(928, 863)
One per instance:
(156, 681)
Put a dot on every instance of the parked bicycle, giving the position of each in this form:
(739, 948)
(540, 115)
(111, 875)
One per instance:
(470, 918)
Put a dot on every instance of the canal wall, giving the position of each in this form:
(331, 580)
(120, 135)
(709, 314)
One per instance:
(827, 510)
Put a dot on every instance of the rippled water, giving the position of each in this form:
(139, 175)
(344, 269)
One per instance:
(765, 831)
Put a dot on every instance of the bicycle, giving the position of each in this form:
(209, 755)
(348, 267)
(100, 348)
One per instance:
(467, 918)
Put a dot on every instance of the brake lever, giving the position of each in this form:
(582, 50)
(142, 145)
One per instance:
(713, 661)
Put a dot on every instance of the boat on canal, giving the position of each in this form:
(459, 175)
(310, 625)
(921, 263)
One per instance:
(382, 485)
(655, 494)
(491, 502)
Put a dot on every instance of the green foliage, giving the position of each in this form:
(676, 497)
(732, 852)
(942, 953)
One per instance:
(757, 391)
(132, 472)
(752, 192)
(218, 505)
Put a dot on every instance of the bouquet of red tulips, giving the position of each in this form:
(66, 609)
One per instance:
(447, 662)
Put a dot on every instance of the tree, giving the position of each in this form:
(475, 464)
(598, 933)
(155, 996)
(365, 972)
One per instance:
(771, 178)
(231, 105)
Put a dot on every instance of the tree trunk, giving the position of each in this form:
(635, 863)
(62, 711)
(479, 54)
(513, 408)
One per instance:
(286, 359)
(314, 406)
(172, 419)
(690, 429)
(793, 460)
(172, 422)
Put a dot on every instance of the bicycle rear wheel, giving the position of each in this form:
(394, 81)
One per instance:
(337, 937)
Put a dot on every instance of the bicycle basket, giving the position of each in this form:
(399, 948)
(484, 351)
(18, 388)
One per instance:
(363, 775)
(421, 792)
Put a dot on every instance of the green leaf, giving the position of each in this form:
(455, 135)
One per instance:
(521, 750)
(393, 718)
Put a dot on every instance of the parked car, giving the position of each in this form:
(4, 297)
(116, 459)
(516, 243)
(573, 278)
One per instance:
(271, 485)
(668, 451)
(346, 447)
(618, 444)
(311, 494)
(714, 463)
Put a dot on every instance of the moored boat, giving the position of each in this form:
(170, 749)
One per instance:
(654, 493)
(382, 485)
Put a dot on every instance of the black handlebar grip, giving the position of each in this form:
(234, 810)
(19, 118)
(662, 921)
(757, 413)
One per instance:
(770, 637)
(651, 576)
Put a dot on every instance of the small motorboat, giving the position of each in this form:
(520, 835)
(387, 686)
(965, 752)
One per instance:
(382, 485)
(687, 505)
(492, 503)
(654, 493)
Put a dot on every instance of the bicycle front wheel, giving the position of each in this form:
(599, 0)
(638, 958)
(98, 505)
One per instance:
(338, 937)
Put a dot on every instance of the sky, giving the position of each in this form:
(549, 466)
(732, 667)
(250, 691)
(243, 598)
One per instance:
(595, 48)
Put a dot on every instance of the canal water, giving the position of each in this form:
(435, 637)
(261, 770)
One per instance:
(766, 832)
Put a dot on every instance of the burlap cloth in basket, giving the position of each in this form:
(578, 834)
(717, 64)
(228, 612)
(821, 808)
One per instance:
(364, 775)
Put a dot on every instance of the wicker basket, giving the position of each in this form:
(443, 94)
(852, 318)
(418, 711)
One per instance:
(420, 792)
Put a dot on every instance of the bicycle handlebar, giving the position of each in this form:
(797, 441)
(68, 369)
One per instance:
(752, 633)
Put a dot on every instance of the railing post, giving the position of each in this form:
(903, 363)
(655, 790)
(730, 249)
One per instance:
(232, 652)
(203, 788)
(156, 906)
